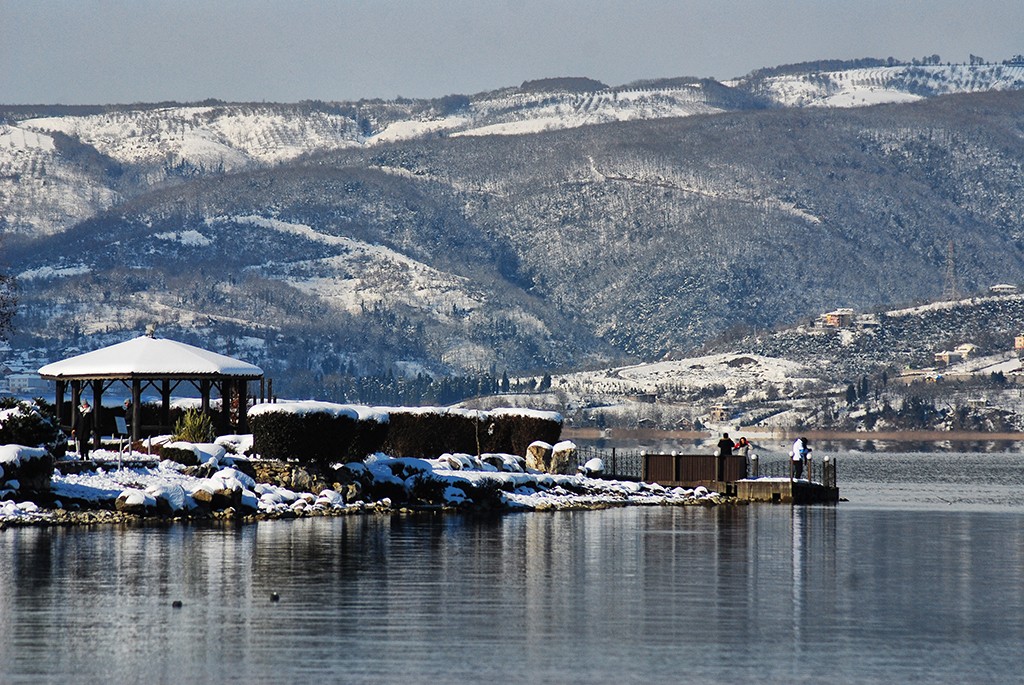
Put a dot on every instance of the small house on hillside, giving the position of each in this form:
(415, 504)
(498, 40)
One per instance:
(966, 350)
(1018, 344)
(839, 318)
(720, 413)
(957, 354)
(22, 384)
(1003, 289)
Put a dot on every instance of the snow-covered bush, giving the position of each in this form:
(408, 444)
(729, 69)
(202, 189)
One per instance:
(24, 468)
(427, 489)
(179, 454)
(33, 424)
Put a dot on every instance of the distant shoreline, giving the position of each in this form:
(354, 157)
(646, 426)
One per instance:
(895, 436)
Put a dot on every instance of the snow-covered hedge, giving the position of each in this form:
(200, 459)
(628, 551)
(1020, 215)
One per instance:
(322, 432)
(433, 431)
(316, 432)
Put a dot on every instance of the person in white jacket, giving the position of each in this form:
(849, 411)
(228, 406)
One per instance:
(801, 453)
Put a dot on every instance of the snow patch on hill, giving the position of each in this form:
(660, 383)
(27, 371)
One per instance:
(210, 138)
(39, 193)
(878, 85)
(731, 371)
(411, 129)
(951, 304)
(190, 238)
(53, 272)
(21, 139)
(535, 112)
(361, 275)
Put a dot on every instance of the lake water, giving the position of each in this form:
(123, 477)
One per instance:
(919, 577)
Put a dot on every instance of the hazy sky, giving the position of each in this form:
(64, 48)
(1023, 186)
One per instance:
(120, 51)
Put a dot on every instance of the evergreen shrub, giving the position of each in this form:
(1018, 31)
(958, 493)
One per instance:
(32, 424)
(194, 426)
(418, 433)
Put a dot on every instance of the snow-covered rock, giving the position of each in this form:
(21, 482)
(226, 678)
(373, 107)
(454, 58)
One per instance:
(135, 501)
(538, 456)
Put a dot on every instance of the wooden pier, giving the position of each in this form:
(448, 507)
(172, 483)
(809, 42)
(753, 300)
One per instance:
(785, 491)
(729, 476)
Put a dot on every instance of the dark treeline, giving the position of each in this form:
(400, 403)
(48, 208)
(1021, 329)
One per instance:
(425, 390)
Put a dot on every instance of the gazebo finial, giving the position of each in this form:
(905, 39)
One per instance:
(151, 330)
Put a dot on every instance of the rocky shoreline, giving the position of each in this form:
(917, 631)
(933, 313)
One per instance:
(62, 518)
(242, 491)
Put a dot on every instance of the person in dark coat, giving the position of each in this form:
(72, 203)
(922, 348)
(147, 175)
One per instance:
(724, 450)
(82, 432)
(725, 446)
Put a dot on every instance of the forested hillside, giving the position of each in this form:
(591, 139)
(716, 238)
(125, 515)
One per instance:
(554, 249)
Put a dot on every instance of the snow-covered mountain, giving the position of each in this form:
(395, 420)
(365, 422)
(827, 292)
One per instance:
(546, 226)
(46, 187)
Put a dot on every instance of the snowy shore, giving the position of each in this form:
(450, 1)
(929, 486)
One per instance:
(221, 488)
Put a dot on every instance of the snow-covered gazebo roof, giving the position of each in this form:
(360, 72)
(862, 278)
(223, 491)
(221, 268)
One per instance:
(147, 357)
(150, 361)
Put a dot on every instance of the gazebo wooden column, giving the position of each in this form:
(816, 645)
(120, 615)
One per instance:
(165, 402)
(61, 387)
(136, 416)
(76, 399)
(97, 411)
(204, 394)
(243, 406)
(226, 391)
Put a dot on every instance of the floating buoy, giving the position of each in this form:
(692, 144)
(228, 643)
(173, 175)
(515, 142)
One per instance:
(176, 604)
(274, 597)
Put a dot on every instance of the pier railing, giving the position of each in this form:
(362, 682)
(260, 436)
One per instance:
(639, 465)
(618, 464)
(817, 470)
(694, 468)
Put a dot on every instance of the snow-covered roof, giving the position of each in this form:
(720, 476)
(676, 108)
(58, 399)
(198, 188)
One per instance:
(147, 357)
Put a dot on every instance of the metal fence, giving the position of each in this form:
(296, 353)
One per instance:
(817, 470)
(619, 464)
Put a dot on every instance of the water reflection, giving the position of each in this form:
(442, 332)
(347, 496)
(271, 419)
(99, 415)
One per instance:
(737, 594)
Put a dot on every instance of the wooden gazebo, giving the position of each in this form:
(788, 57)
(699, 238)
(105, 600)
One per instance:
(162, 364)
